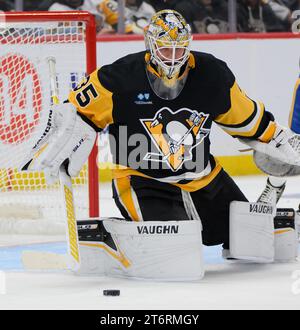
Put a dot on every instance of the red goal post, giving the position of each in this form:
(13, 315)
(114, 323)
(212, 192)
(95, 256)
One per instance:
(87, 28)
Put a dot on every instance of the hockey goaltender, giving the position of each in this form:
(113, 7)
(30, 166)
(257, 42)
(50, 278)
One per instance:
(159, 106)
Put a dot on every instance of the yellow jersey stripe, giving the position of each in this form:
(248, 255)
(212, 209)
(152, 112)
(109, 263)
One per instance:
(250, 129)
(268, 133)
(193, 185)
(125, 195)
(242, 107)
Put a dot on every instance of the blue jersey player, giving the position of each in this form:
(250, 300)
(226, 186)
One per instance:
(278, 183)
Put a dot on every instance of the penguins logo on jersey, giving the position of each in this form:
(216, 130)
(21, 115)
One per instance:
(175, 135)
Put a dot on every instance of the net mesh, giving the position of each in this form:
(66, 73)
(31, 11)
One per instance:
(27, 203)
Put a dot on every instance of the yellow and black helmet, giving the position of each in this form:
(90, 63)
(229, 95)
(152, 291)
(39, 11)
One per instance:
(168, 29)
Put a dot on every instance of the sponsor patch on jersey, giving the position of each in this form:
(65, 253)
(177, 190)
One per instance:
(175, 135)
(143, 98)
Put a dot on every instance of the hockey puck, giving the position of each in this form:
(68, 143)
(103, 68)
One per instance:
(112, 293)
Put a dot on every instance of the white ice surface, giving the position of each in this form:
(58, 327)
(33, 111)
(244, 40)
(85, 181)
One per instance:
(225, 285)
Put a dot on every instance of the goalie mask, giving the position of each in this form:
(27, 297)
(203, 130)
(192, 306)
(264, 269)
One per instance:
(168, 39)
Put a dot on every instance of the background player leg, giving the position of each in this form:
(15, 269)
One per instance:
(278, 184)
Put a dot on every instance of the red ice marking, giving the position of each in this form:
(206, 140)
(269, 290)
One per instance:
(20, 98)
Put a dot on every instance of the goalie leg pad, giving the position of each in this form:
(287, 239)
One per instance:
(286, 236)
(252, 232)
(152, 250)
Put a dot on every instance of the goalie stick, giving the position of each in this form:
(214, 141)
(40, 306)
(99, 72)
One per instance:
(42, 260)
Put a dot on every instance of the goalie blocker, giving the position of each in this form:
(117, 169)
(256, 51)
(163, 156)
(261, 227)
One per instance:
(172, 250)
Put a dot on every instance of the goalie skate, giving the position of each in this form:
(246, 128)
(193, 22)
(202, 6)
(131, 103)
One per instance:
(271, 194)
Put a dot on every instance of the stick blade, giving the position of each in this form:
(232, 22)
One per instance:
(36, 260)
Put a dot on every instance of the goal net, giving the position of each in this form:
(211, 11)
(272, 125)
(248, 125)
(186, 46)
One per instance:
(27, 203)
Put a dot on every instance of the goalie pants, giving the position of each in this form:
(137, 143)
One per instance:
(143, 199)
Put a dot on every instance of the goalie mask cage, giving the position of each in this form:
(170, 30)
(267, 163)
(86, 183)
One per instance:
(27, 203)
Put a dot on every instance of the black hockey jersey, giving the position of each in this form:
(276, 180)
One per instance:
(168, 140)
